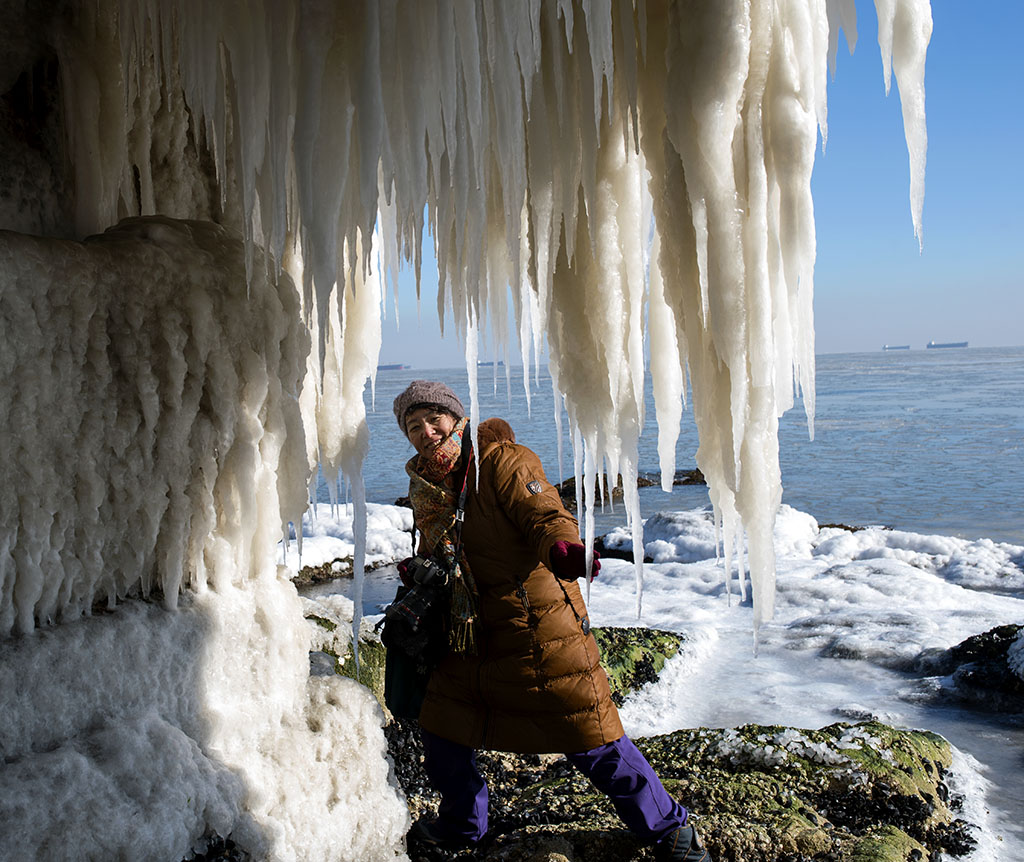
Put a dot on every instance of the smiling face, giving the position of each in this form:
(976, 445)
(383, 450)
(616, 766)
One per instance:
(427, 426)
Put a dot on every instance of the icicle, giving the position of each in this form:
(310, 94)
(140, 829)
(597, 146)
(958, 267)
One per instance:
(666, 372)
(558, 408)
(577, 467)
(589, 483)
(841, 14)
(911, 32)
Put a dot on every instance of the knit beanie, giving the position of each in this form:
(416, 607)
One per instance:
(427, 393)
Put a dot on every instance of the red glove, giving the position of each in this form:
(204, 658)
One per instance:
(403, 572)
(569, 561)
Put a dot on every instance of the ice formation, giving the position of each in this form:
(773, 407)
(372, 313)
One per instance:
(154, 441)
(542, 142)
(615, 177)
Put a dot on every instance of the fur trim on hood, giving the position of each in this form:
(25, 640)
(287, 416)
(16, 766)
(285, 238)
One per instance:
(494, 430)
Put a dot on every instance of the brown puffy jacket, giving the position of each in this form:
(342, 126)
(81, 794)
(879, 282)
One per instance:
(535, 684)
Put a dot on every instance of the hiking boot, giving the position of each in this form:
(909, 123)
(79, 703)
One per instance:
(433, 834)
(683, 845)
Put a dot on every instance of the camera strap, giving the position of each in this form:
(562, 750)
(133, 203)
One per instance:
(460, 505)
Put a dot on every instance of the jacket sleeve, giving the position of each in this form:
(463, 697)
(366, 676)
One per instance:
(531, 501)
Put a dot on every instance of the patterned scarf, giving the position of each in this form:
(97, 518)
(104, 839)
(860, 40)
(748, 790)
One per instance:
(434, 504)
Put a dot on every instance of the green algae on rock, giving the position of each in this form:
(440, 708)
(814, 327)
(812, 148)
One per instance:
(633, 657)
(371, 667)
(334, 640)
(844, 792)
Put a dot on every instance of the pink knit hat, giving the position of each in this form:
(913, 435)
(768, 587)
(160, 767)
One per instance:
(427, 393)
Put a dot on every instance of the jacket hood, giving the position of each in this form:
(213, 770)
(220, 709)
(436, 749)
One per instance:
(492, 431)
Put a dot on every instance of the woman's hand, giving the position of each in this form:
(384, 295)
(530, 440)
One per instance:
(569, 561)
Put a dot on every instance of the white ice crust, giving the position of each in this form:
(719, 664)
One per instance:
(154, 446)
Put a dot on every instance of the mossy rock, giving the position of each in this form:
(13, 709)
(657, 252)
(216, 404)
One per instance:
(886, 844)
(371, 667)
(845, 793)
(633, 657)
(866, 791)
(339, 647)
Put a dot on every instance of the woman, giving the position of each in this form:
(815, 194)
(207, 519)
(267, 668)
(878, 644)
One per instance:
(522, 673)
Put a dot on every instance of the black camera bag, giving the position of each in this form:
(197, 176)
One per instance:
(412, 653)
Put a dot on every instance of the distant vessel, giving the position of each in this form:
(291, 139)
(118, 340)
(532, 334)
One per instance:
(896, 347)
(397, 367)
(946, 344)
(487, 363)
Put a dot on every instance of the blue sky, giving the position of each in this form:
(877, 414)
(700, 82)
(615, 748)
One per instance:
(872, 284)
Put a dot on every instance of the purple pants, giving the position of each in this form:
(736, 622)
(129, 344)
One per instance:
(618, 769)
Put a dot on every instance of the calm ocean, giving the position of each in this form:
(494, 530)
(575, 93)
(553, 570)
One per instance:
(930, 441)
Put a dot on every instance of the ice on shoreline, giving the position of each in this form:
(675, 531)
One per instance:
(878, 595)
(855, 610)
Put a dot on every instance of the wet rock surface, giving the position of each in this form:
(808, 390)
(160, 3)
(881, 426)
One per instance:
(633, 657)
(980, 670)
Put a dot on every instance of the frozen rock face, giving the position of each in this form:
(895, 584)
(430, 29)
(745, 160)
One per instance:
(153, 441)
(152, 428)
(142, 733)
(35, 193)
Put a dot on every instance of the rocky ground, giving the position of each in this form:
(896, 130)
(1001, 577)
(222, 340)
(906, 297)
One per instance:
(983, 671)
(567, 489)
(844, 793)
(758, 794)
(862, 792)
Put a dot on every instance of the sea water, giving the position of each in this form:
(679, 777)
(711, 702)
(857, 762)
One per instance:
(930, 441)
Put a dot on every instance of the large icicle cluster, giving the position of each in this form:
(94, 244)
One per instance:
(548, 142)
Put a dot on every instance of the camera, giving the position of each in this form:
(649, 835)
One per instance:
(427, 572)
(414, 606)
